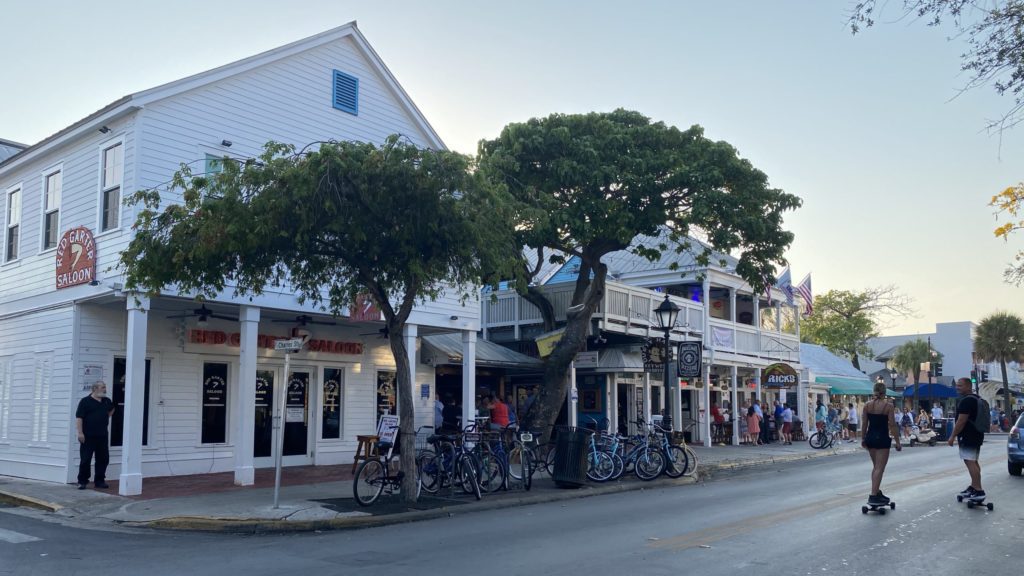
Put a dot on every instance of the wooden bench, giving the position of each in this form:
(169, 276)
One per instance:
(366, 449)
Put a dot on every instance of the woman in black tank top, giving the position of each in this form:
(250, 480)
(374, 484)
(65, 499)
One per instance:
(879, 423)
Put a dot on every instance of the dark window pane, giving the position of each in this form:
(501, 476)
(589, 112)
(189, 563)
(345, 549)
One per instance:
(331, 421)
(117, 420)
(50, 238)
(111, 204)
(215, 403)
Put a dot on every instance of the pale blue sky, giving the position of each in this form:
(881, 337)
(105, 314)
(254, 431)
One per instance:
(895, 172)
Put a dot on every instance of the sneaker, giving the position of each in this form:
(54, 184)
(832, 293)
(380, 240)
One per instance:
(883, 498)
(877, 499)
(83, 486)
(977, 496)
(966, 492)
(102, 485)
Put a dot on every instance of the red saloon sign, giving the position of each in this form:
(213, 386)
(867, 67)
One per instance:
(76, 258)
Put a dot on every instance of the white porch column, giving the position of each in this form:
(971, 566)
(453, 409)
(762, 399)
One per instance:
(468, 377)
(732, 305)
(802, 388)
(757, 323)
(778, 317)
(130, 481)
(249, 324)
(574, 396)
(677, 399)
(757, 378)
(736, 412)
(409, 333)
(706, 394)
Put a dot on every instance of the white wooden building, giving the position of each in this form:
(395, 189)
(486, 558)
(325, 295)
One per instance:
(193, 384)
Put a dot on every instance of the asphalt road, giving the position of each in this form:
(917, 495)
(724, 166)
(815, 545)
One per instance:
(797, 518)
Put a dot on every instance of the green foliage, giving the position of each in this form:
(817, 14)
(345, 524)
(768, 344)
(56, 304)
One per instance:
(1000, 338)
(590, 183)
(841, 323)
(843, 320)
(331, 223)
(910, 355)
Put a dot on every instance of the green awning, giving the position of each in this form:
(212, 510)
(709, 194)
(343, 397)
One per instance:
(850, 386)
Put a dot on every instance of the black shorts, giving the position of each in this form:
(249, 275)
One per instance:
(878, 443)
(851, 427)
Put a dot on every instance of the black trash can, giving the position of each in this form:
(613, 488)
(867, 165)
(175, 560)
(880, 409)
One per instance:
(571, 447)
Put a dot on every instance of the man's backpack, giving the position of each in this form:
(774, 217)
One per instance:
(983, 420)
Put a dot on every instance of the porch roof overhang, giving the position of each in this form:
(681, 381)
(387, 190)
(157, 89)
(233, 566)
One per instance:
(447, 349)
(850, 386)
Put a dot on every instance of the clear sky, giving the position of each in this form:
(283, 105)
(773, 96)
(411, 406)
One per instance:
(871, 131)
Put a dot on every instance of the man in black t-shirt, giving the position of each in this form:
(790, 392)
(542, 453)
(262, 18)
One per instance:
(91, 419)
(969, 437)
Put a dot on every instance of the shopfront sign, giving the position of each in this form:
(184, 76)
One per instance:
(363, 309)
(202, 338)
(779, 376)
(76, 258)
(690, 358)
(587, 359)
(653, 355)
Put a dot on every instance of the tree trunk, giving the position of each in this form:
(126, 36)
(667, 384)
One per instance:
(555, 387)
(856, 361)
(406, 430)
(917, 389)
(1006, 390)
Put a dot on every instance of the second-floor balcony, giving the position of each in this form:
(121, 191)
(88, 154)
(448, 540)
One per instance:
(629, 311)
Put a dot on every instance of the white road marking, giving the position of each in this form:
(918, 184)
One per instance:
(16, 537)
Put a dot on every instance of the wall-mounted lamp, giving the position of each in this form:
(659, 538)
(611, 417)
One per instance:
(453, 317)
(94, 283)
(104, 129)
(225, 143)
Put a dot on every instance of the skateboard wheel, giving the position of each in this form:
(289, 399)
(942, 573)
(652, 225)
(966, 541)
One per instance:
(959, 498)
(970, 503)
(892, 505)
(863, 509)
(881, 511)
(990, 506)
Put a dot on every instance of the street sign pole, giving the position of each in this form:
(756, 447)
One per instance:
(288, 346)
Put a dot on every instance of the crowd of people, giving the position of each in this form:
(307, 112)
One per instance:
(757, 425)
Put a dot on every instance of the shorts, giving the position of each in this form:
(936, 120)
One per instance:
(851, 427)
(786, 427)
(970, 452)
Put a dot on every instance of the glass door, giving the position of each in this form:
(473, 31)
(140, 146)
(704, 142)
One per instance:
(298, 428)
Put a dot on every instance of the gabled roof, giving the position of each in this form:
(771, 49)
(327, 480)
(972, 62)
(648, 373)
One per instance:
(623, 262)
(888, 354)
(137, 100)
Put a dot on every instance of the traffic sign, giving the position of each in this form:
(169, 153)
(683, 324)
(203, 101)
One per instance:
(293, 345)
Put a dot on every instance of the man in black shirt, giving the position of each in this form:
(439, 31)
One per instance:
(969, 437)
(91, 421)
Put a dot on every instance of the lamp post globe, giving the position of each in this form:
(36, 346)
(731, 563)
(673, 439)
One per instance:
(666, 313)
(892, 376)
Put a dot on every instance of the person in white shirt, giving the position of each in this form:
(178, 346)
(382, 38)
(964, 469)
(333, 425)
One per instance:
(898, 415)
(787, 425)
(936, 411)
(853, 422)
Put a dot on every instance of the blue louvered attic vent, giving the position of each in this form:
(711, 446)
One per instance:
(346, 92)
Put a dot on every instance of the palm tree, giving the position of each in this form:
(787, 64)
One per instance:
(1000, 338)
(909, 357)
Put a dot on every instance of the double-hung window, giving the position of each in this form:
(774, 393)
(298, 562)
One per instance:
(110, 191)
(52, 183)
(13, 223)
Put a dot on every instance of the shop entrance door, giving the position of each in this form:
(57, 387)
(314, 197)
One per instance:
(298, 394)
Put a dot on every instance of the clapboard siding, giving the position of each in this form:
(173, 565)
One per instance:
(34, 272)
(37, 440)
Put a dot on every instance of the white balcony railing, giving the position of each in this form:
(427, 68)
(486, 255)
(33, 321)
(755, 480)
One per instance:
(629, 310)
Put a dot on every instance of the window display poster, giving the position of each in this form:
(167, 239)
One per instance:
(215, 403)
(386, 394)
(330, 427)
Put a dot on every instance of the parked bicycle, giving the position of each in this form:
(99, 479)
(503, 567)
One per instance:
(832, 434)
(374, 477)
(448, 465)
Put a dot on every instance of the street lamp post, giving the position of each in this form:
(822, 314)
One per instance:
(666, 313)
(892, 376)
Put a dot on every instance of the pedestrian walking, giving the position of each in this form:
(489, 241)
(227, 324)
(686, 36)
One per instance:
(852, 423)
(879, 429)
(844, 421)
(787, 424)
(91, 420)
(969, 438)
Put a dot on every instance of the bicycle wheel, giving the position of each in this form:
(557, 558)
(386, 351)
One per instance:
(619, 465)
(676, 464)
(549, 461)
(466, 471)
(649, 465)
(817, 440)
(427, 471)
(516, 461)
(691, 462)
(490, 472)
(599, 466)
(368, 482)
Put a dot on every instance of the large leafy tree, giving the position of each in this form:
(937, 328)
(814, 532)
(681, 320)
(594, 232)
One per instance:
(397, 222)
(1000, 338)
(992, 31)
(910, 356)
(844, 320)
(588, 184)
(1011, 203)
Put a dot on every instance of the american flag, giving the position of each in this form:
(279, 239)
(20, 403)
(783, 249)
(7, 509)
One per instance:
(804, 289)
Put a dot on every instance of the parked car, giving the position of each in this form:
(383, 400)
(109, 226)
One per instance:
(1015, 448)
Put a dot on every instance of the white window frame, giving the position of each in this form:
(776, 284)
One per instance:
(343, 369)
(44, 176)
(102, 148)
(19, 188)
(42, 384)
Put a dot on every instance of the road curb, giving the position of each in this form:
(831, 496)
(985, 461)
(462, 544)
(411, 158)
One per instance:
(29, 501)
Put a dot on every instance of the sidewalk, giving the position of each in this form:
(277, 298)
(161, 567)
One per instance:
(320, 497)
